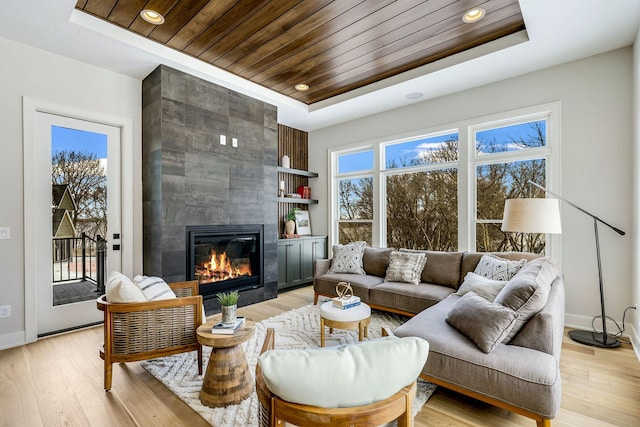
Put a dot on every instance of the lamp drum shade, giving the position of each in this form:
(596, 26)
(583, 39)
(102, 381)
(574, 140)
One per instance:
(535, 215)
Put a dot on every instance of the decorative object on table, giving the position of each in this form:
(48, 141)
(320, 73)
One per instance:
(354, 301)
(303, 224)
(286, 162)
(344, 290)
(222, 328)
(180, 374)
(293, 196)
(538, 215)
(229, 306)
(290, 222)
(281, 189)
(304, 191)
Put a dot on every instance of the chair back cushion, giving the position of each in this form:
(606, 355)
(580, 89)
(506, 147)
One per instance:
(347, 376)
(120, 289)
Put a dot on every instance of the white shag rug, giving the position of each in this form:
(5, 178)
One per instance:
(298, 328)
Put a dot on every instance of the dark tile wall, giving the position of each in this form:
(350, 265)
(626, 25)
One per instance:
(190, 179)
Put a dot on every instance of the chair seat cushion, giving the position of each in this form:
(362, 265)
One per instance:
(347, 376)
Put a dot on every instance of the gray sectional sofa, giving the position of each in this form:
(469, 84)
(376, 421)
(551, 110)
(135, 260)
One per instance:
(515, 371)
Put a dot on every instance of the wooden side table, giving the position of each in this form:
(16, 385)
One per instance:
(227, 380)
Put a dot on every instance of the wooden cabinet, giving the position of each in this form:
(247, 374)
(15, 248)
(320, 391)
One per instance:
(295, 259)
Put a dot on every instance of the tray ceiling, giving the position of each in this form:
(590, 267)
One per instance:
(332, 46)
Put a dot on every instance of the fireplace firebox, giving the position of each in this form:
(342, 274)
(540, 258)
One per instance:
(225, 257)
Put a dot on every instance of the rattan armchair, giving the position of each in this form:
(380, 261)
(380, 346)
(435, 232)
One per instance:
(273, 411)
(146, 330)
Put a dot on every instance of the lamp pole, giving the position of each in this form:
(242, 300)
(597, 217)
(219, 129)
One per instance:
(592, 338)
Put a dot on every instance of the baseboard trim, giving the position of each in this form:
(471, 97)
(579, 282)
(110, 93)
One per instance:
(14, 339)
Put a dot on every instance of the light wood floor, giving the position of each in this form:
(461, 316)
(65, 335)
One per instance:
(57, 381)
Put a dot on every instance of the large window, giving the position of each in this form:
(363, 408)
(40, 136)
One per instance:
(355, 196)
(445, 190)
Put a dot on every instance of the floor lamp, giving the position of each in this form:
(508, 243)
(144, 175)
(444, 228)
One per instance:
(538, 215)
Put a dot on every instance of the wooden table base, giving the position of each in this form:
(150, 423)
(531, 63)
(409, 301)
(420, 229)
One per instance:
(227, 380)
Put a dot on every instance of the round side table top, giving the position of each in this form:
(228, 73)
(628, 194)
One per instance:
(205, 337)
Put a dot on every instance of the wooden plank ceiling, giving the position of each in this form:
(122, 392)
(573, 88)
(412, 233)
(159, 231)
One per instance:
(332, 46)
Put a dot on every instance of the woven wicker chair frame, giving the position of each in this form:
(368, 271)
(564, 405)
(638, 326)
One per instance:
(146, 330)
(274, 411)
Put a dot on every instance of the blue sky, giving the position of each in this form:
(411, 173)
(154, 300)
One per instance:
(364, 160)
(65, 139)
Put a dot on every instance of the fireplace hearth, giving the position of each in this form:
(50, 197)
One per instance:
(225, 257)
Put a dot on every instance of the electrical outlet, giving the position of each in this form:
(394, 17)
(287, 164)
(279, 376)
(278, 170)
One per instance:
(5, 233)
(223, 140)
(5, 311)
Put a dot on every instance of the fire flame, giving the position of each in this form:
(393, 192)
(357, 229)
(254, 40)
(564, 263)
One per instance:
(221, 267)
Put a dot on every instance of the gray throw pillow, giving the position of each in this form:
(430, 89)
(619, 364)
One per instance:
(486, 288)
(483, 322)
(496, 268)
(528, 291)
(405, 267)
(348, 258)
(376, 260)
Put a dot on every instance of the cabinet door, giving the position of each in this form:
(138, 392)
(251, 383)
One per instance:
(313, 249)
(282, 264)
(294, 263)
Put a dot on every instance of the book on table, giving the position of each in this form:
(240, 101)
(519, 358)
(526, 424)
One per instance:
(227, 328)
(346, 302)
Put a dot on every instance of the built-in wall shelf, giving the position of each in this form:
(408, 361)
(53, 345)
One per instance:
(297, 172)
(297, 201)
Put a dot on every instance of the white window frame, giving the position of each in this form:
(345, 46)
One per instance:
(468, 160)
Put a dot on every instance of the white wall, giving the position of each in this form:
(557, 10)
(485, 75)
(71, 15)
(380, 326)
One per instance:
(25, 71)
(596, 168)
(635, 279)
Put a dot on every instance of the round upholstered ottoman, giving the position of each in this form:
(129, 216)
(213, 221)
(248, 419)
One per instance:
(357, 317)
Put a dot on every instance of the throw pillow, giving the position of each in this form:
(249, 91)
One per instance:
(486, 288)
(120, 289)
(153, 288)
(496, 268)
(396, 363)
(348, 258)
(405, 267)
(528, 291)
(376, 260)
(483, 322)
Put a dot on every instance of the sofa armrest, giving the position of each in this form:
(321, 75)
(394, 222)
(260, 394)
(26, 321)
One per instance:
(320, 267)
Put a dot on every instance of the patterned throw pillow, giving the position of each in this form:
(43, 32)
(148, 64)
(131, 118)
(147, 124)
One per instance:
(153, 288)
(405, 267)
(496, 268)
(348, 258)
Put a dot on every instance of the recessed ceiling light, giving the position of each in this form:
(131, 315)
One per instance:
(473, 15)
(414, 95)
(152, 17)
(301, 87)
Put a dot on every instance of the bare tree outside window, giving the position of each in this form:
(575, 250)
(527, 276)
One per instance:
(86, 178)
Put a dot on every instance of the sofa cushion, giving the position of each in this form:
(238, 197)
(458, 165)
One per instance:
(483, 322)
(376, 260)
(361, 284)
(348, 258)
(496, 268)
(454, 359)
(528, 291)
(120, 289)
(349, 367)
(441, 268)
(407, 297)
(486, 288)
(405, 267)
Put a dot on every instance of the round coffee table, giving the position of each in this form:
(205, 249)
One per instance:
(227, 380)
(357, 317)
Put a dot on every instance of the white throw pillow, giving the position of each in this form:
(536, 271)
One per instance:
(348, 258)
(349, 376)
(405, 267)
(496, 268)
(120, 288)
(486, 288)
(154, 288)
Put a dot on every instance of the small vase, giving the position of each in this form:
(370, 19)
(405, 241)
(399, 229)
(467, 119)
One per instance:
(229, 313)
(289, 227)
